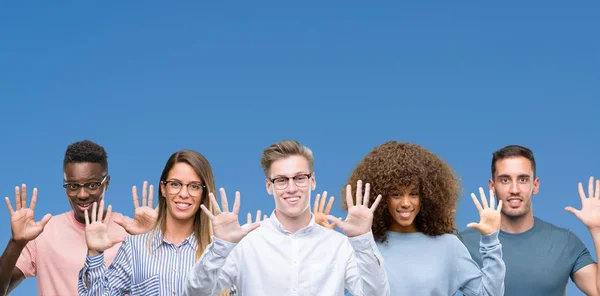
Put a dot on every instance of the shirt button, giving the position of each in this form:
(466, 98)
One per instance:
(174, 293)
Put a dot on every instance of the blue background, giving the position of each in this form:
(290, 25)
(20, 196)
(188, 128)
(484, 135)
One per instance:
(145, 79)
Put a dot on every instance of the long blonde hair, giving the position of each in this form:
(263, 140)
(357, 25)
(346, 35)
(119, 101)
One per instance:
(202, 223)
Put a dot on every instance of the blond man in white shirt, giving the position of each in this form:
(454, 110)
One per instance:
(288, 253)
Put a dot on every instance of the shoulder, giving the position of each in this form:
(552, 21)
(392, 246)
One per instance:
(544, 227)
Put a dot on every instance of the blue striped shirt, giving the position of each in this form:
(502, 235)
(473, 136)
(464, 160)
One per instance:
(146, 264)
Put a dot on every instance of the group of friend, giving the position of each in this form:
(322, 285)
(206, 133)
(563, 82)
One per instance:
(399, 236)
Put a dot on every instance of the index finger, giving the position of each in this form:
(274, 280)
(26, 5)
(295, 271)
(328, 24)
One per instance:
(134, 194)
(215, 204)
(349, 201)
(224, 202)
(476, 202)
(34, 199)
(483, 198)
(10, 208)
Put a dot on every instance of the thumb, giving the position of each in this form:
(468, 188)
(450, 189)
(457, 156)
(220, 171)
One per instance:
(45, 220)
(336, 220)
(473, 225)
(572, 210)
(119, 221)
(250, 228)
(115, 240)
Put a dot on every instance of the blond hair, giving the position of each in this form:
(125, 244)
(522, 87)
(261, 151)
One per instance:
(284, 149)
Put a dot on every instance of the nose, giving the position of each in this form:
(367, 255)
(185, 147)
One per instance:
(291, 188)
(514, 188)
(184, 192)
(404, 202)
(82, 193)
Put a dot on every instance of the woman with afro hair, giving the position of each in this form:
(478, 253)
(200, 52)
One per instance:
(415, 230)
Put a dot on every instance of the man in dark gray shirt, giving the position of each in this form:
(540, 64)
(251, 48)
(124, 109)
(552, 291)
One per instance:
(539, 257)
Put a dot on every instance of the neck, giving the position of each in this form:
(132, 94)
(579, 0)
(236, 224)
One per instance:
(293, 224)
(395, 227)
(176, 231)
(517, 224)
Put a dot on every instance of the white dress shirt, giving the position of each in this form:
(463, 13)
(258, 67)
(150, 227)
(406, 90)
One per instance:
(272, 261)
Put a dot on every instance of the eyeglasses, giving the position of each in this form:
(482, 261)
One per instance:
(283, 182)
(89, 187)
(193, 188)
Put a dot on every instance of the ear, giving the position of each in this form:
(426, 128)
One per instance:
(107, 182)
(536, 185)
(491, 184)
(313, 182)
(162, 188)
(269, 186)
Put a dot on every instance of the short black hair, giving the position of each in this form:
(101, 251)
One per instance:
(513, 151)
(86, 151)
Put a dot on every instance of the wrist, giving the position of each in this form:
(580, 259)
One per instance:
(594, 231)
(19, 243)
(92, 253)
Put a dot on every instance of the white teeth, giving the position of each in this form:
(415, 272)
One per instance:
(182, 205)
(293, 198)
(85, 205)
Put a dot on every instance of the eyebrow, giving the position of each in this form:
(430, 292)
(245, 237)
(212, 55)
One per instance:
(508, 176)
(296, 174)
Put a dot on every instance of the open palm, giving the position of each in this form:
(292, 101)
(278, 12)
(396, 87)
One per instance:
(489, 215)
(360, 216)
(321, 212)
(145, 216)
(225, 224)
(96, 230)
(589, 214)
(22, 222)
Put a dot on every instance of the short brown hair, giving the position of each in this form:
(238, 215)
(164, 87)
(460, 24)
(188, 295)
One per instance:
(284, 149)
(512, 151)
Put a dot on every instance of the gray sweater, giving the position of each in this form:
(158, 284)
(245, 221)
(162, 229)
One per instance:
(418, 264)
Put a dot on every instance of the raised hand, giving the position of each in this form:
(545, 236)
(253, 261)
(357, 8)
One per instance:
(249, 222)
(360, 216)
(489, 215)
(320, 214)
(22, 223)
(96, 230)
(589, 214)
(145, 216)
(225, 224)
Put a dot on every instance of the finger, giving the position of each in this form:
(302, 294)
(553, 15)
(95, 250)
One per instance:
(24, 196)
(207, 212)
(224, 202)
(108, 218)
(214, 202)
(249, 218)
(483, 198)
(17, 197)
(376, 203)
(597, 188)
(151, 196)
(265, 217)
(316, 205)
(336, 220)
(33, 199)
(591, 187)
(134, 194)
(94, 211)
(10, 208)
(349, 196)
(252, 227)
(236, 203)
(100, 211)
(573, 211)
(581, 192)
(367, 195)
(87, 217)
(476, 202)
(323, 199)
(473, 225)
(499, 206)
(359, 193)
(329, 205)
(492, 200)
(258, 213)
(145, 194)
(45, 220)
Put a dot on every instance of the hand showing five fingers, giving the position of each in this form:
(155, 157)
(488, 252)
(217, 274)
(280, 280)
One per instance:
(589, 214)
(96, 229)
(225, 224)
(360, 216)
(145, 216)
(22, 223)
(320, 214)
(489, 215)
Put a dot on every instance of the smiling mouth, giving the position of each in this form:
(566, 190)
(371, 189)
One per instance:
(182, 205)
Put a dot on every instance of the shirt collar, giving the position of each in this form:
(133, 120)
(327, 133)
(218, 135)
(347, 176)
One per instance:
(302, 231)
(158, 239)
